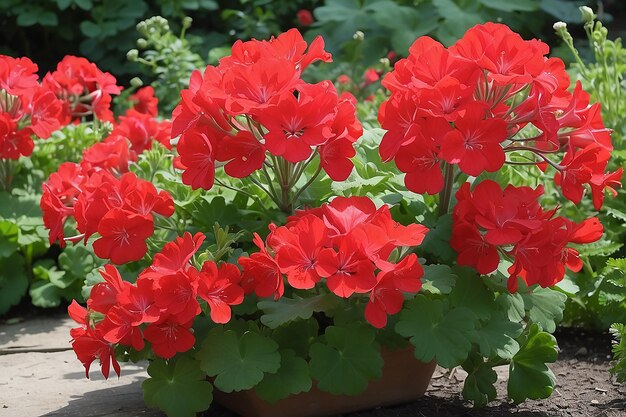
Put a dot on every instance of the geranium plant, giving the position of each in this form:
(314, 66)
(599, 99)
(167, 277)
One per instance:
(459, 268)
(42, 124)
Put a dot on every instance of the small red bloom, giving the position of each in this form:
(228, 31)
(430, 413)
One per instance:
(168, 337)
(474, 144)
(305, 17)
(89, 347)
(174, 257)
(123, 236)
(220, 288)
(197, 150)
(242, 153)
(144, 101)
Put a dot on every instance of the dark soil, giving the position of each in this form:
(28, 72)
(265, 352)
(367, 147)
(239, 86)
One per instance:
(584, 388)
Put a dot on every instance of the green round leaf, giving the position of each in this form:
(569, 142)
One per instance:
(238, 362)
(178, 387)
(347, 360)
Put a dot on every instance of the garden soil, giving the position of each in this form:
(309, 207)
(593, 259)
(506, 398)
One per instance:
(39, 376)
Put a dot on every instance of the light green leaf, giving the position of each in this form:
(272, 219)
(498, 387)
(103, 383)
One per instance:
(9, 235)
(347, 360)
(292, 378)
(238, 362)
(545, 306)
(529, 376)
(498, 337)
(513, 304)
(78, 261)
(177, 387)
(437, 331)
(13, 281)
(284, 310)
(438, 279)
(45, 294)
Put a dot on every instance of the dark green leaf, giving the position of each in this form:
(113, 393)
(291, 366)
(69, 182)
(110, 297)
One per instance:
(238, 362)
(478, 386)
(284, 310)
(13, 281)
(292, 378)
(512, 6)
(438, 279)
(471, 292)
(436, 331)
(529, 376)
(347, 360)
(178, 387)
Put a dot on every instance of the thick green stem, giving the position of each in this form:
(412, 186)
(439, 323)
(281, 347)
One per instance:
(6, 174)
(446, 193)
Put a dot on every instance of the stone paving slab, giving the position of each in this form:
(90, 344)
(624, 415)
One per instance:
(54, 384)
(51, 333)
(40, 376)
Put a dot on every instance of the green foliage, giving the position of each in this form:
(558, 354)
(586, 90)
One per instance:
(168, 58)
(177, 387)
(600, 301)
(618, 330)
(437, 331)
(438, 279)
(529, 376)
(238, 362)
(13, 281)
(392, 25)
(346, 360)
(545, 306)
(479, 383)
(292, 378)
(284, 310)
(23, 238)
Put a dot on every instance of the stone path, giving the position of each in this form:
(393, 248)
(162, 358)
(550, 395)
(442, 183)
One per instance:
(40, 376)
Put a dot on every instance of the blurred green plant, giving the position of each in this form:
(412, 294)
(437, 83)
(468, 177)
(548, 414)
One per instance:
(167, 57)
(103, 30)
(601, 299)
(394, 25)
(27, 263)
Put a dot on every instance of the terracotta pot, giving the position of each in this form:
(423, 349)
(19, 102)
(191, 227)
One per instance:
(404, 379)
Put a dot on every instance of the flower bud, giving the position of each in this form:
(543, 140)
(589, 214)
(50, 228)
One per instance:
(132, 55)
(560, 26)
(187, 22)
(142, 43)
(136, 82)
(587, 14)
(358, 36)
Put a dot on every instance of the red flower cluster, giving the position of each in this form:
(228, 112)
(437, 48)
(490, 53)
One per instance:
(104, 197)
(144, 102)
(159, 308)
(26, 108)
(254, 102)
(489, 222)
(489, 94)
(345, 243)
(83, 88)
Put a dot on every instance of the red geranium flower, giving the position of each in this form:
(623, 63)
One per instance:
(123, 236)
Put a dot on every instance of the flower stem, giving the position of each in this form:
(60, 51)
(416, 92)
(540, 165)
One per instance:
(445, 195)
